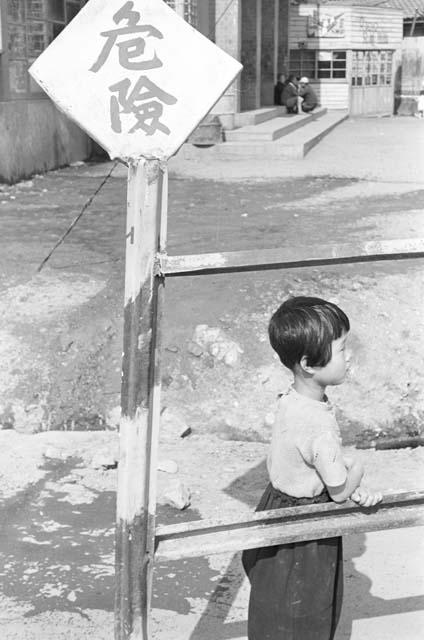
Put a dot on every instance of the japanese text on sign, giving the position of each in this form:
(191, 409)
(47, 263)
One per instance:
(323, 25)
(372, 32)
(143, 99)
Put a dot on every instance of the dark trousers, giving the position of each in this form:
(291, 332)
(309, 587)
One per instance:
(296, 589)
(291, 104)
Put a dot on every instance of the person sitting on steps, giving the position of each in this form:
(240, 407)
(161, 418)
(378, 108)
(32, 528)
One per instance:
(307, 95)
(289, 95)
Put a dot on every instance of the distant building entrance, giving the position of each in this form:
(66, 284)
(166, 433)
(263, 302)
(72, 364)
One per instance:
(372, 82)
(264, 50)
(347, 52)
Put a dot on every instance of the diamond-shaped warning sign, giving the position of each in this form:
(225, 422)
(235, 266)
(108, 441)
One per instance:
(134, 75)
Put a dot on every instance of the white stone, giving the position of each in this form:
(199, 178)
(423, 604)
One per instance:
(215, 341)
(172, 426)
(232, 356)
(269, 419)
(113, 417)
(194, 349)
(177, 495)
(105, 458)
(168, 466)
(53, 453)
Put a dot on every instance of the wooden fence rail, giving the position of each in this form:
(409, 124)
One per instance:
(290, 257)
(282, 526)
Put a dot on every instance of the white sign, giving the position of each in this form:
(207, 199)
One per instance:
(326, 25)
(134, 75)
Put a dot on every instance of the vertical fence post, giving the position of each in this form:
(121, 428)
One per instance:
(140, 398)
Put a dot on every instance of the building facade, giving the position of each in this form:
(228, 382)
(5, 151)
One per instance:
(34, 136)
(256, 33)
(346, 48)
(348, 52)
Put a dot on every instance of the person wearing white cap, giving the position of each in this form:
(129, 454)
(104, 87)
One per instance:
(420, 104)
(307, 95)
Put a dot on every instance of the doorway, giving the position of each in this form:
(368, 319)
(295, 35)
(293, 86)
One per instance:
(372, 83)
(264, 50)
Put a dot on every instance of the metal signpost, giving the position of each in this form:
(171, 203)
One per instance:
(139, 79)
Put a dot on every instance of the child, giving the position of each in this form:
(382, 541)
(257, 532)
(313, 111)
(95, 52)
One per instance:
(296, 589)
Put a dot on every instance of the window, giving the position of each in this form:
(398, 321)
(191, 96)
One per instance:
(303, 62)
(314, 64)
(186, 9)
(32, 25)
(372, 68)
(331, 64)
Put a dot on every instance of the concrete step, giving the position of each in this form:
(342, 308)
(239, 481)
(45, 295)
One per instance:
(274, 128)
(295, 144)
(256, 116)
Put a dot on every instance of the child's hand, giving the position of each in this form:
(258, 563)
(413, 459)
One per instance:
(365, 498)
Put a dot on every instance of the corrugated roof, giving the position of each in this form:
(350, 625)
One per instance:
(408, 7)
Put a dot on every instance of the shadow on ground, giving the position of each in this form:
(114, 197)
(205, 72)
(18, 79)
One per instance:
(360, 603)
(57, 553)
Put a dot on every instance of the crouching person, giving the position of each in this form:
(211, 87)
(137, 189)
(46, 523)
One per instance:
(296, 589)
(290, 94)
(308, 95)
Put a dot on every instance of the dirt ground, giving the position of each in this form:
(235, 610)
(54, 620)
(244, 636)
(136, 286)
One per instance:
(58, 531)
(60, 352)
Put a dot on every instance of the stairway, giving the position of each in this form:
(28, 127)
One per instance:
(272, 133)
(272, 128)
(285, 136)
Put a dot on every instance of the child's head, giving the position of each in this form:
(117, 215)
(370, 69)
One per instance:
(305, 328)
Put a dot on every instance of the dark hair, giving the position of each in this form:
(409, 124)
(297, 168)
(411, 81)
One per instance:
(292, 78)
(304, 326)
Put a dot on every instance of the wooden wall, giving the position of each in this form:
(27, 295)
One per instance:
(376, 28)
(363, 27)
(300, 17)
(332, 95)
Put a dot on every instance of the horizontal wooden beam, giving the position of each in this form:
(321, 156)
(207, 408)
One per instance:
(283, 526)
(289, 258)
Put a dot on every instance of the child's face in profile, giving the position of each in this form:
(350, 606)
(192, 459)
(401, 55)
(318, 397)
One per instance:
(335, 370)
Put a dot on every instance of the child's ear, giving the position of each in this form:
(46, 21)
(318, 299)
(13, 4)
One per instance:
(305, 366)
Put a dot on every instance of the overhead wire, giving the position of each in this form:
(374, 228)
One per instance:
(78, 217)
